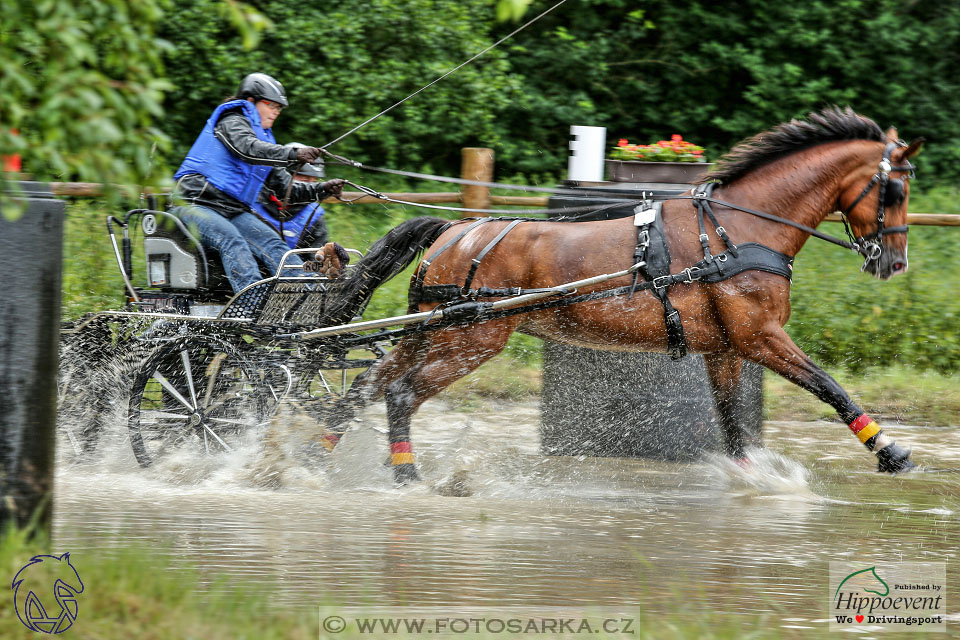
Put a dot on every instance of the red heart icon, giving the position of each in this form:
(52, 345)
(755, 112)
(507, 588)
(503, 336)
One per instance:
(859, 618)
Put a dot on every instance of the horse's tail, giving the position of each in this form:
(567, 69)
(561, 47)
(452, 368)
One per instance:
(388, 256)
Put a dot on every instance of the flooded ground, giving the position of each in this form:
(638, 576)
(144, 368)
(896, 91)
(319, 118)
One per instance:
(535, 531)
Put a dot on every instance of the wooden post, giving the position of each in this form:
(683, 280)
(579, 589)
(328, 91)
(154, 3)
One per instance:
(476, 164)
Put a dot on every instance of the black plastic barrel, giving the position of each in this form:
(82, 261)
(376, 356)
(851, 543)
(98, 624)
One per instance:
(31, 255)
(602, 403)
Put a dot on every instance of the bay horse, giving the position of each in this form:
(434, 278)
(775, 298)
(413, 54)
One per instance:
(795, 174)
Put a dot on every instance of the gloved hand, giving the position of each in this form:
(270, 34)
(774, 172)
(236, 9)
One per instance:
(333, 187)
(308, 154)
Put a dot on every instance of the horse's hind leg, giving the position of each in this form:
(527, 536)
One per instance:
(776, 351)
(372, 383)
(453, 353)
(723, 371)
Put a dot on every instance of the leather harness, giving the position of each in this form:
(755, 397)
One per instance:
(651, 252)
(462, 304)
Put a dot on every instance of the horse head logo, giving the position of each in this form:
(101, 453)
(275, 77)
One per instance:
(45, 593)
(863, 580)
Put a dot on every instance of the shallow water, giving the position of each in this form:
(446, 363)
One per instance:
(558, 532)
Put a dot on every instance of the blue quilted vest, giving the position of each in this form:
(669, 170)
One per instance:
(210, 157)
(293, 228)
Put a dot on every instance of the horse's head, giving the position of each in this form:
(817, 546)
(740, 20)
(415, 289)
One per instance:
(874, 200)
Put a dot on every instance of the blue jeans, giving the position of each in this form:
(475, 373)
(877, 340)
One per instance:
(241, 241)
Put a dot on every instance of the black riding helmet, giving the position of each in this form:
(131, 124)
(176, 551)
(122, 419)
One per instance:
(260, 86)
(314, 169)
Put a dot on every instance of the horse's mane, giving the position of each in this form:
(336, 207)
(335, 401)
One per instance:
(829, 125)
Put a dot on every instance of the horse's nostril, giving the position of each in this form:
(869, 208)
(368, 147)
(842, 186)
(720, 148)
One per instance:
(899, 266)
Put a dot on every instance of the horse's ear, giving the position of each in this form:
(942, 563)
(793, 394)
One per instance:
(913, 147)
(892, 134)
(901, 154)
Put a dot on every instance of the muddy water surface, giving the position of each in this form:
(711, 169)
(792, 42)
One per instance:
(535, 531)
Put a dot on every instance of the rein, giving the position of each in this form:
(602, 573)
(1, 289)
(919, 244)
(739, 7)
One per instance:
(581, 209)
(702, 197)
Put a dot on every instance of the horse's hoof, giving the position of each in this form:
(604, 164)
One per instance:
(405, 474)
(894, 459)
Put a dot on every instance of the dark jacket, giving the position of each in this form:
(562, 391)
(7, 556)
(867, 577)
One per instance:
(234, 131)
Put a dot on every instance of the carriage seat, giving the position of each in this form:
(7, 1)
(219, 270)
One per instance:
(176, 262)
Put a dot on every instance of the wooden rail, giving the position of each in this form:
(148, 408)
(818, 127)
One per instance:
(477, 164)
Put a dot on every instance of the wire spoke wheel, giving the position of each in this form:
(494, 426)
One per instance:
(197, 393)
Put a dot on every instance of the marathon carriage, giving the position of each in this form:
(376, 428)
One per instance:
(187, 362)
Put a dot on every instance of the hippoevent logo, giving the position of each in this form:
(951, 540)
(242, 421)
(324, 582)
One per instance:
(45, 593)
(907, 596)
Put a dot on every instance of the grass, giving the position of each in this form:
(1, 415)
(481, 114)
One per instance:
(894, 394)
(136, 593)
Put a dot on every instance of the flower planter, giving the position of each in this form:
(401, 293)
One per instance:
(671, 172)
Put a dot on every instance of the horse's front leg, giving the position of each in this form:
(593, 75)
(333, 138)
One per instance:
(776, 351)
(723, 371)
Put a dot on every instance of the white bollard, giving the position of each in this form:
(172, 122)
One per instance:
(587, 149)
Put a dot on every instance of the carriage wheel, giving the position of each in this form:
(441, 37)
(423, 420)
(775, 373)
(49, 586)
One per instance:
(196, 393)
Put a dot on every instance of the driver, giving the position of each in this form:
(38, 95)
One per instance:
(234, 156)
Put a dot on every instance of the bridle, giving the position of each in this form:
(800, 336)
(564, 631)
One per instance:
(870, 246)
(891, 193)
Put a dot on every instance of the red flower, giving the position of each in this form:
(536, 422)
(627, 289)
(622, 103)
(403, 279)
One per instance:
(676, 137)
(622, 142)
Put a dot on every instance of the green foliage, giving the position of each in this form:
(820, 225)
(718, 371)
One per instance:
(91, 278)
(344, 63)
(511, 9)
(897, 392)
(83, 81)
(720, 71)
(83, 84)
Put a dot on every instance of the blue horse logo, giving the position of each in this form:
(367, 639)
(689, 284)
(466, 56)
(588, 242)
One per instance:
(42, 585)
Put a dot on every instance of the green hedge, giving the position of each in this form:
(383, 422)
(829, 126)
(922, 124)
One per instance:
(714, 72)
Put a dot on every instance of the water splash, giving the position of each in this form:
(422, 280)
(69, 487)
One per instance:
(763, 473)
